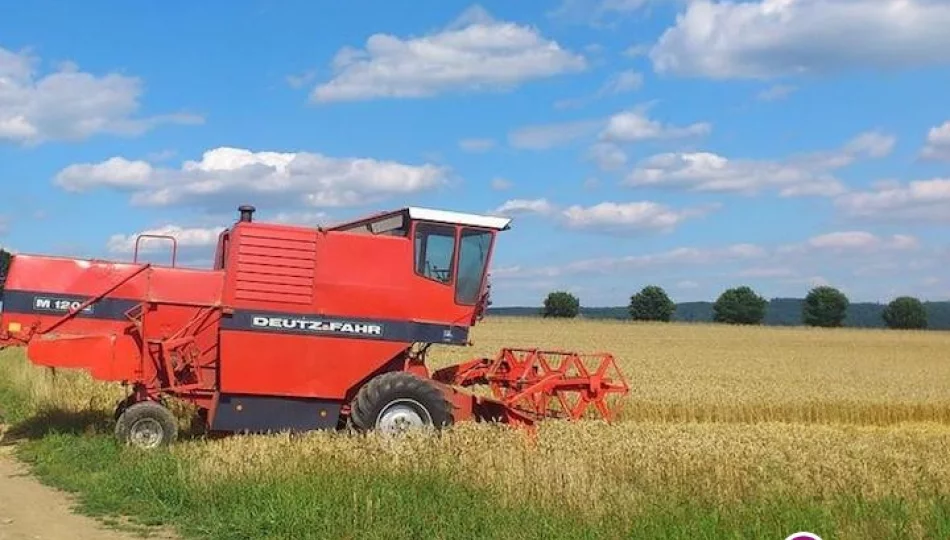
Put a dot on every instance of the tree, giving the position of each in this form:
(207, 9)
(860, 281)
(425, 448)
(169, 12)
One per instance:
(561, 304)
(825, 306)
(651, 304)
(739, 305)
(905, 312)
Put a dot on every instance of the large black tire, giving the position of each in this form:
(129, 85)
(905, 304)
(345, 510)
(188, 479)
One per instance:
(397, 400)
(146, 425)
(122, 406)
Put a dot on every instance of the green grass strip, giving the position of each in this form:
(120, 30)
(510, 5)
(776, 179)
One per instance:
(158, 489)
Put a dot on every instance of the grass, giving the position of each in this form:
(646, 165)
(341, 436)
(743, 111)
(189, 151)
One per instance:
(728, 433)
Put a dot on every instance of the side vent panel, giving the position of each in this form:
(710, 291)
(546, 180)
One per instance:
(276, 266)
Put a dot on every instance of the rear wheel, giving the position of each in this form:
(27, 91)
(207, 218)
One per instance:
(146, 425)
(399, 401)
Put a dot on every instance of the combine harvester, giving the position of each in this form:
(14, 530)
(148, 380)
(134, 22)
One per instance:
(297, 328)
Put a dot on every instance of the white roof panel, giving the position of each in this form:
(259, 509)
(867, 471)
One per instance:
(446, 216)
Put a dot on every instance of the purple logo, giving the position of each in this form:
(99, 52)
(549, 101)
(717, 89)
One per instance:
(803, 536)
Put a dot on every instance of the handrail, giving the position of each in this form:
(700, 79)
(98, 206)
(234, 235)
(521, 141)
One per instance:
(72, 313)
(135, 256)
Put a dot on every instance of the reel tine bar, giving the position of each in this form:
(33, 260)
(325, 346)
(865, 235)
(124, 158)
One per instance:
(545, 383)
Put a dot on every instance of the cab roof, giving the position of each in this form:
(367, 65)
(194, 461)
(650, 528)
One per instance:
(430, 214)
(460, 218)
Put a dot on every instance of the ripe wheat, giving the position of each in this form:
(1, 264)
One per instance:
(704, 372)
(716, 413)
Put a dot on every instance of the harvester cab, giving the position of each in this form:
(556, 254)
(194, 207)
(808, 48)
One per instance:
(298, 328)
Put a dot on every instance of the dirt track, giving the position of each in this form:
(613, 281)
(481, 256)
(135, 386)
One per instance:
(31, 511)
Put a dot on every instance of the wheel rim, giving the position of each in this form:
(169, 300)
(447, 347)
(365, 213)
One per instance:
(146, 433)
(403, 415)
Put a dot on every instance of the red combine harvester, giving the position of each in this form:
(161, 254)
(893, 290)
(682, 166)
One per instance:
(297, 328)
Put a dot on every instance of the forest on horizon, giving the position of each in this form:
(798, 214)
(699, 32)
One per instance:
(780, 312)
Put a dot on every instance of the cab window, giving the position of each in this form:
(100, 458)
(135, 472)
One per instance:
(473, 258)
(435, 251)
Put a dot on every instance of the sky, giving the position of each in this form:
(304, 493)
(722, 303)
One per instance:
(696, 145)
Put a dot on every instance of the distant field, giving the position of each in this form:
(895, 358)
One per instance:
(709, 372)
(728, 432)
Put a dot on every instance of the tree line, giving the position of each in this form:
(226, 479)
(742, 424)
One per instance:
(823, 306)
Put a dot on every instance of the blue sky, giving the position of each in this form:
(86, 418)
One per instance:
(697, 145)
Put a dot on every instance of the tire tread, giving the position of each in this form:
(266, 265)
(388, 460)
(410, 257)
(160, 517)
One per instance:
(372, 397)
(146, 409)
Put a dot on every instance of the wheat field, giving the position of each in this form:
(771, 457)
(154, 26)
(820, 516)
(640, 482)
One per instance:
(718, 414)
(705, 372)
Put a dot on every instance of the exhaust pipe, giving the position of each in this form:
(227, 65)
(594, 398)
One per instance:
(246, 212)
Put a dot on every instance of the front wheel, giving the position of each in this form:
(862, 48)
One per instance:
(146, 425)
(399, 401)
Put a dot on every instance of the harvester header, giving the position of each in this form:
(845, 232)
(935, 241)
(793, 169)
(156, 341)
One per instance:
(297, 328)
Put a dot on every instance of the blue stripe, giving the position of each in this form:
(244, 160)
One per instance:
(46, 303)
(346, 327)
(108, 308)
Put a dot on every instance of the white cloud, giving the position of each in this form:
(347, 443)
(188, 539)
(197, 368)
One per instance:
(607, 217)
(594, 48)
(629, 217)
(776, 93)
(622, 6)
(675, 258)
(842, 253)
(68, 104)
(863, 264)
(852, 242)
(515, 207)
(635, 51)
(607, 156)
(632, 126)
(622, 82)
(628, 126)
(938, 143)
(300, 80)
(226, 176)
(924, 200)
(766, 272)
(845, 254)
(195, 237)
(477, 145)
(300, 218)
(594, 12)
(115, 172)
(500, 184)
(873, 144)
(619, 83)
(809, 282)
(575, 8)
(803, 175)
(161, 155)
(541, 137)
(770, 38)
(704, 171)
(843, 240)
(635, 126)
(474, 53)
